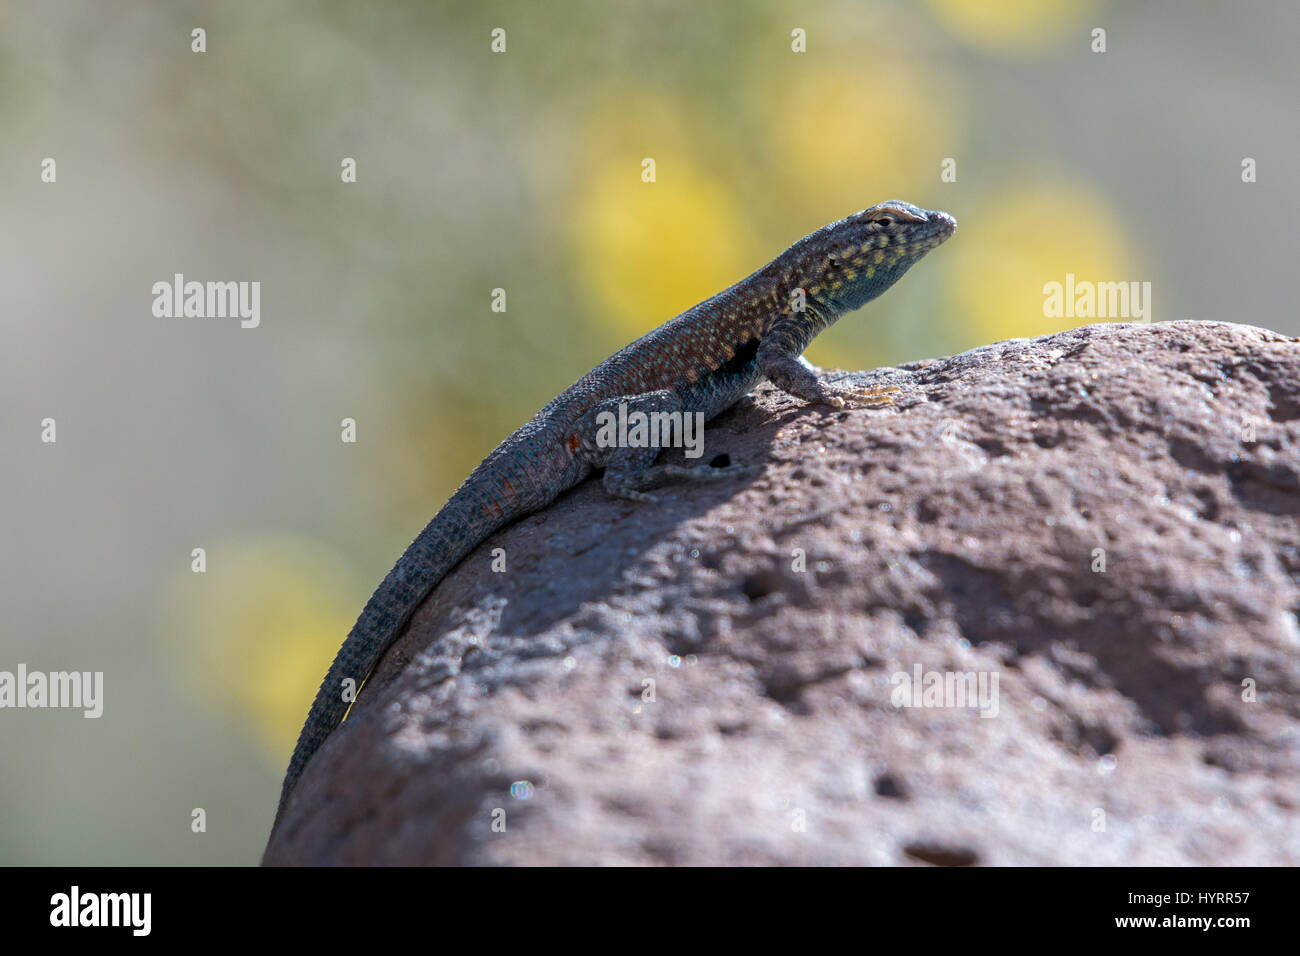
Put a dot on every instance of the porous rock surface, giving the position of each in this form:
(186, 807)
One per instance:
(1106, 520)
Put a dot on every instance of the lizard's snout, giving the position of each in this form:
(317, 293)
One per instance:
(945, 224)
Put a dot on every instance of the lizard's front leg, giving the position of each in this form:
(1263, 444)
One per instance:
(780, 358)
(630, 468)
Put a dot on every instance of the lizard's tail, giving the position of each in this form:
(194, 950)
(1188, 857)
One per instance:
(387, 611)
(438, 549)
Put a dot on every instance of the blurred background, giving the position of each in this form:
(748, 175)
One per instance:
(519, 170)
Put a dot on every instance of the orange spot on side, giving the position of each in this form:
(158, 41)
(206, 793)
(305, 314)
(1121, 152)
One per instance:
(573, 444)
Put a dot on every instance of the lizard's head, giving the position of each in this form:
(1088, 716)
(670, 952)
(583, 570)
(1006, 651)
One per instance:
(845, 265)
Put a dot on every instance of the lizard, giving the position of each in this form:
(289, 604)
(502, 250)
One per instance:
(701, 362)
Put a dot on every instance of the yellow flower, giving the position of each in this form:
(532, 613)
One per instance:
(258, 629)
(1006, 251)
(850, 136)
(1010, 25)
(648, 250)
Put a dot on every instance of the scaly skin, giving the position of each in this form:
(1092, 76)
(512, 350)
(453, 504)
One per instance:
(704, 360)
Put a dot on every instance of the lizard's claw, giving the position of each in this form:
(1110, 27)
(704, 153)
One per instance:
(862, 397)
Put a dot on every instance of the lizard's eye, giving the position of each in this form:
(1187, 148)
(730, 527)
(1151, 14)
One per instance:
(884, 221)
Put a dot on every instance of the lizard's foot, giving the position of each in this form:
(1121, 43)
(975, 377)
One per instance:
(848, 396)
(795, 376)
(707, 473)
(628, 491)
(640, 496)
(628, 485)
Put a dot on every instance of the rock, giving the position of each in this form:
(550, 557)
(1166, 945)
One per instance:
(713, 679)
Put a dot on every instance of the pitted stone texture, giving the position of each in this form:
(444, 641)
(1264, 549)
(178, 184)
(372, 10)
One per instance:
(708, 680)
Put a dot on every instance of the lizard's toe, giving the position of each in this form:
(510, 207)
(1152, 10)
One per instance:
(863, 397)
(640, 496)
